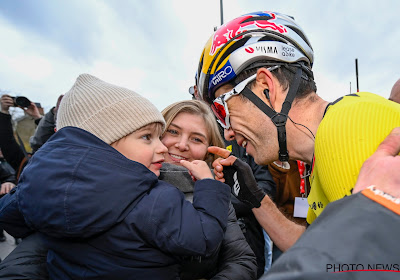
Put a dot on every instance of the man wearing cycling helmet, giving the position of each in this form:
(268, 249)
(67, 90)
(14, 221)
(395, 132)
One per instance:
(256, 74)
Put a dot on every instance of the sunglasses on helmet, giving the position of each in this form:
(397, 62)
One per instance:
(219, 105)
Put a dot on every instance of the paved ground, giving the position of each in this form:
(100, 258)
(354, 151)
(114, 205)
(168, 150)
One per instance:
(7, 246)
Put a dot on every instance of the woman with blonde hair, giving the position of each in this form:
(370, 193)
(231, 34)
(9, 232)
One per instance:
(190, 110)
(190, 129)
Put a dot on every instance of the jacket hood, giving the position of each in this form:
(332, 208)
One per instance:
(76, 185)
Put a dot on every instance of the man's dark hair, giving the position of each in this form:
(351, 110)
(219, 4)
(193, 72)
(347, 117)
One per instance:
(284, 74)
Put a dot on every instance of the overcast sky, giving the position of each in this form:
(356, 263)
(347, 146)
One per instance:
(153, 47)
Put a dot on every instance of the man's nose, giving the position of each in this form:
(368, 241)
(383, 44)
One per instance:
(229, 134)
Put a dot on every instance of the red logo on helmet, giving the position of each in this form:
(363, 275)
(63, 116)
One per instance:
(249, 50)
(240, 25)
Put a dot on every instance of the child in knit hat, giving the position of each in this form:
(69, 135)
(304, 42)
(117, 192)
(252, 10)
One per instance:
(93, 192)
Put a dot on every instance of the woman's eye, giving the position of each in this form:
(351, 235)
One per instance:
(199, 140)
(172, 131)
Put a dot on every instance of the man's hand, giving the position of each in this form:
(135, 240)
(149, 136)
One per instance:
(239, 176)
(382, 169)
(32, 111)
(218, 164)
(6, 187)
(6, 102)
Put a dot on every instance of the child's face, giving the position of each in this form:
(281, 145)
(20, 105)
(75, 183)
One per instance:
(186, 138)
(144, 146)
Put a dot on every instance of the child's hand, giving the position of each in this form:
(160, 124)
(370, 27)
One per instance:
(198, 169)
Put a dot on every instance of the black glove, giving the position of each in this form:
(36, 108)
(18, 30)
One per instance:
(240, 178)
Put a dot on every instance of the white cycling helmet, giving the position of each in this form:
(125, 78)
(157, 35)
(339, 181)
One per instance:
(247, 39)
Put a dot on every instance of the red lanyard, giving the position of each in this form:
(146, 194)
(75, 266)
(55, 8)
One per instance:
(302, 167)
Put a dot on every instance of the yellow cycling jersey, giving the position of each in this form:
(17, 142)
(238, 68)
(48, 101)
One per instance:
(349, 133)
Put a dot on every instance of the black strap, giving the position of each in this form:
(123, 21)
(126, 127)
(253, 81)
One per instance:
(294, 86)
(21, 145)
(259, 103)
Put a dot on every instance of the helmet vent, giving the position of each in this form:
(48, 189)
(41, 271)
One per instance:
(257, 18)
(301, 34)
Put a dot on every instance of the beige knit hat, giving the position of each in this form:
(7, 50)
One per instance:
(105, 110)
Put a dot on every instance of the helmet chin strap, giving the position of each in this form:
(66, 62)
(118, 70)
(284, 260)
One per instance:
(279, 119)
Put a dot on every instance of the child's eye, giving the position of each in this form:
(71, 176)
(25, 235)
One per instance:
(146, 137)
(172, 131)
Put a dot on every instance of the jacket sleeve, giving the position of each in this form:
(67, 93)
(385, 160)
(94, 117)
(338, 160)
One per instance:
(11, 219)
(236, 260)
(26, 261)
(353, 230)
(7, 174)
(184, 229)
(44, 131)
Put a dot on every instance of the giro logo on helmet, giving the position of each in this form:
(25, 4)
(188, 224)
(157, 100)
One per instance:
(240, 25)
(221, 75)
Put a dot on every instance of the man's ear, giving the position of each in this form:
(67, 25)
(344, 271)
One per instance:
(265, 81)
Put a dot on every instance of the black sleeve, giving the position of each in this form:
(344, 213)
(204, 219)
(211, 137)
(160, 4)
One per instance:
(27, 261)
(351, 231)
(236, 260)
(44, 131)
(9, 146)
(7, 174)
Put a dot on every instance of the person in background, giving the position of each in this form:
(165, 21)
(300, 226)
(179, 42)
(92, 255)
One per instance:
(190, 129)
(46, 127)
(395, 93)
(292, 188)
(7, 182)
(12, 151)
